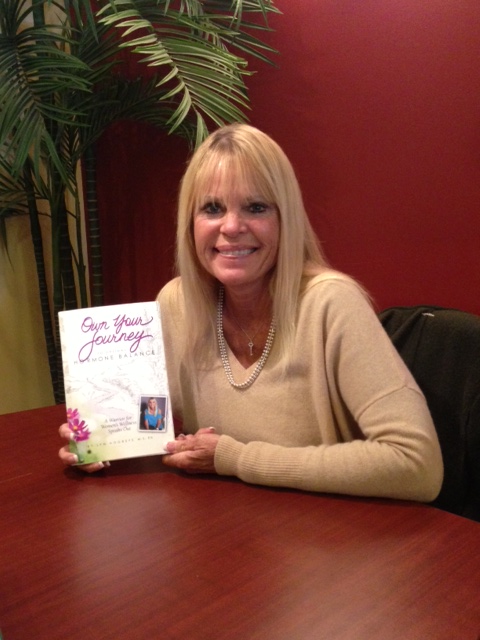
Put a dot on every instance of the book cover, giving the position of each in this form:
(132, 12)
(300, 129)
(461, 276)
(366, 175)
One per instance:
(116, 386)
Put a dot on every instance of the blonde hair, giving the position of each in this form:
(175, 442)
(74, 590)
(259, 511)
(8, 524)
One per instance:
(253, 155)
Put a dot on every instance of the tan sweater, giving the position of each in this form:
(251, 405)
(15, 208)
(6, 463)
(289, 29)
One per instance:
(347, 418)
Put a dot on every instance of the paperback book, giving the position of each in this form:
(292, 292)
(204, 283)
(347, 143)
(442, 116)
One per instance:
(116, 386)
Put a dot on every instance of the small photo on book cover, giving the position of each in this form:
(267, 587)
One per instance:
(116, 385)
(153, 410)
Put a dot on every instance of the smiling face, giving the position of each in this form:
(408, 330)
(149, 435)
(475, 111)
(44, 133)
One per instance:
(236, 233)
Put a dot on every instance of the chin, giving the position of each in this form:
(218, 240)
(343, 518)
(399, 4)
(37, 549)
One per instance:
(230, 282)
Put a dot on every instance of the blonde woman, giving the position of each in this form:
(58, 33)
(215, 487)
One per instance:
(278, 366)
(152, 417)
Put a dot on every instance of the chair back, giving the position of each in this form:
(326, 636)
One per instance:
(441, 347)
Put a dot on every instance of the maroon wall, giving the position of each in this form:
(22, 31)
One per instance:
(377, 103)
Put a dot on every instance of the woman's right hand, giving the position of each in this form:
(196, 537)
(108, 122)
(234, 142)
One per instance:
(69, 459)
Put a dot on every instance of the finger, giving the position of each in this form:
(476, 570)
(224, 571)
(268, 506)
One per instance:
(177, 460)
(93, 466)
(206, 430)
(177, 446)
(167, 460)
(65, 431)
(187, 462)
(69, 459)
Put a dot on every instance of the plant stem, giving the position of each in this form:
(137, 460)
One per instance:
(36, 233)
(91, 206)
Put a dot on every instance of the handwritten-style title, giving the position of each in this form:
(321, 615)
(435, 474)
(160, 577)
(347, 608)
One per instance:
(125, 329)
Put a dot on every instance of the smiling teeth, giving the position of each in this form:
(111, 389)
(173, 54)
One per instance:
(242, 252)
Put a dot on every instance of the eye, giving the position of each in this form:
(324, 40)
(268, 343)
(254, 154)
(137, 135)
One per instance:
(257, 207)
(212, 207)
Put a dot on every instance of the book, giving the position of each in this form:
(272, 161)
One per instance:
(116, 386)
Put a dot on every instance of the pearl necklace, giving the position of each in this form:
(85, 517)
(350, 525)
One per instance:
(223, 348)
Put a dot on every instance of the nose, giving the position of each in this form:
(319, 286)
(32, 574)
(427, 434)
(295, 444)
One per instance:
(232, 223)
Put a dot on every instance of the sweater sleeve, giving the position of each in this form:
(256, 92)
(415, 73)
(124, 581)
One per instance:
(408, 467)
(394, 451)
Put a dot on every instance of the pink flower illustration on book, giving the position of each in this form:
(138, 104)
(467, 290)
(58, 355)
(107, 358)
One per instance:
(77, 426)
(80, 433)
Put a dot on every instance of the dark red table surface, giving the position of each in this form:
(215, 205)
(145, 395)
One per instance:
(141, 552)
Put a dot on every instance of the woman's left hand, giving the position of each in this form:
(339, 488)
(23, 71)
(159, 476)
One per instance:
(193, 453)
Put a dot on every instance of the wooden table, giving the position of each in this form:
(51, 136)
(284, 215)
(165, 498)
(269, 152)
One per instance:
(140, 552)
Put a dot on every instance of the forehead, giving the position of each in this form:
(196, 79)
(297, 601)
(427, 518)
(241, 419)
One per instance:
(228, 176)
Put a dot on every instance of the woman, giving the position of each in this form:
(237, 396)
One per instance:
(278, 367)
(153, 417)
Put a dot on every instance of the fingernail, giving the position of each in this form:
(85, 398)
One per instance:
(170, 447)
(73, 459)
(211, 428)
(106, 463)
(181, 436)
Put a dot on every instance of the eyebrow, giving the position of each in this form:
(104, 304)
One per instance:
(248, 199)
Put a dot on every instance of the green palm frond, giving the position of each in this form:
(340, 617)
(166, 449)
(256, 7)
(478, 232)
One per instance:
(13, 199)
(82, 16)
(120, 99)
(191, 41)
(29, 89)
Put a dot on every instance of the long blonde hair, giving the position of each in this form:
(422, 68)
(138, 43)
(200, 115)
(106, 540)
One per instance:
(254, 156)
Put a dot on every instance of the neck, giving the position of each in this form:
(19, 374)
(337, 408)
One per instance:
(248, 308)
(247, 332)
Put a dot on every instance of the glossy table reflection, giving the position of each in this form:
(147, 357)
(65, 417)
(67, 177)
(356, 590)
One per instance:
(140, 552)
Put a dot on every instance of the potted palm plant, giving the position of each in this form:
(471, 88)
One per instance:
(67, 72)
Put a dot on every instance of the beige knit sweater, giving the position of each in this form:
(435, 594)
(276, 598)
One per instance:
(347, 418)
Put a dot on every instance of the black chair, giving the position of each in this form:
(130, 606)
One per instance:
(441, 347)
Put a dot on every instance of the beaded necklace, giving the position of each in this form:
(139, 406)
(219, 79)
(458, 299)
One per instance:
(223, 348)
